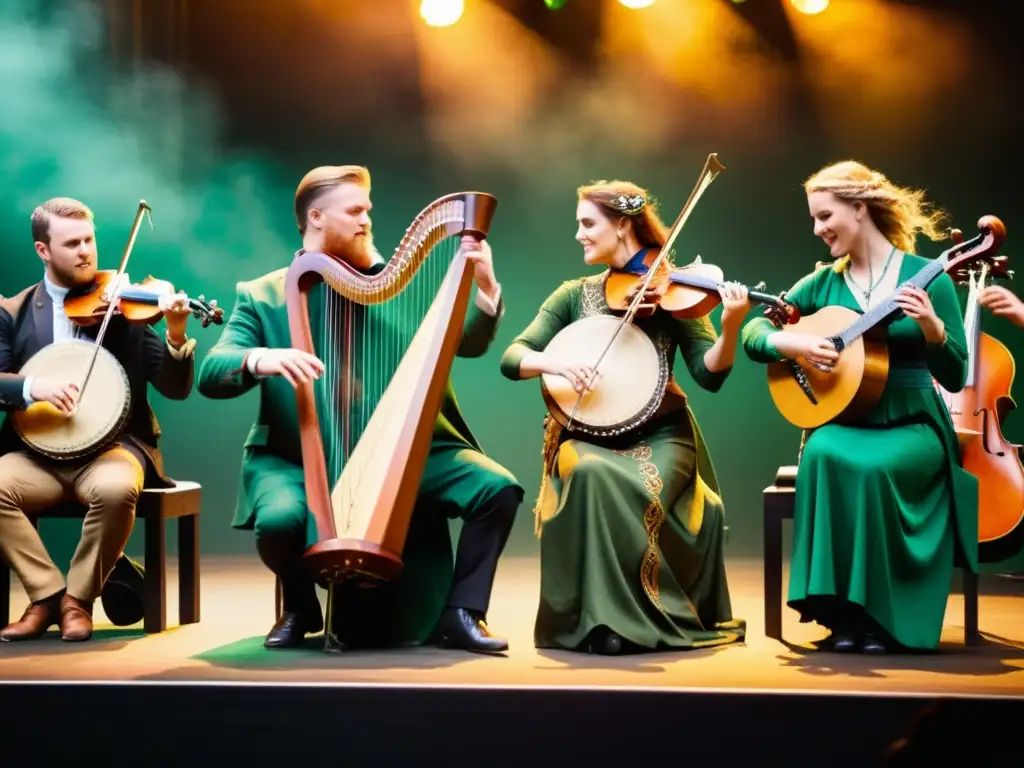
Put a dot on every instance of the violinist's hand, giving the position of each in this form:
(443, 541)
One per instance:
(916, 304)
(813, 350)
(1001, 302)
(293, 364)
(580, 375)
(479, 253)
(63, 395)
(735, 304)
(176, 314)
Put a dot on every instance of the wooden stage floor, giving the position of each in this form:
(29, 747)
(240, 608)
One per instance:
(237, 610)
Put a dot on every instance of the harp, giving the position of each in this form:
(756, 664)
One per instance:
(387, 341)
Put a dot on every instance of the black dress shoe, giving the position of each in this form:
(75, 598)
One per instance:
(459, 628)
(605, 642)
(872, 644)
(291, 629)
(843, 642)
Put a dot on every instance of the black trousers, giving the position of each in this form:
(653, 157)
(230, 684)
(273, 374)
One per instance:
(485, 532)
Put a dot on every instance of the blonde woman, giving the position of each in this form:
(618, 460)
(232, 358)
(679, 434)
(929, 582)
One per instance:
(881, 506)
(632, 527)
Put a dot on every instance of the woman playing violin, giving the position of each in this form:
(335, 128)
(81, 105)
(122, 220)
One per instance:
(632, 527)
(880, 504)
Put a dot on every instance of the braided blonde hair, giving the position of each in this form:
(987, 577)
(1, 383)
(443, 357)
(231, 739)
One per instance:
(898, 212)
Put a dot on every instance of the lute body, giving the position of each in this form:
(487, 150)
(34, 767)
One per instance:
(849, 391)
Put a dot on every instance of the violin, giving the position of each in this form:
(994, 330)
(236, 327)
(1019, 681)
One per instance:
(138, 302)
(686, 292)
(978, 412)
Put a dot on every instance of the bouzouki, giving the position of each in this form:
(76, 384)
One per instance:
(810, 398)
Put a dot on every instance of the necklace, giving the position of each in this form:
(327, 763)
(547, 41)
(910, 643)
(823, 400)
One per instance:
(872, 283)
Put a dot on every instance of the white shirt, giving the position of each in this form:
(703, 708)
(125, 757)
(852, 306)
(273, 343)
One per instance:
(65, 330)
(485, 302)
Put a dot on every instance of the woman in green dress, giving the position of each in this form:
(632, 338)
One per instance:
(632, 528)
(881, 505)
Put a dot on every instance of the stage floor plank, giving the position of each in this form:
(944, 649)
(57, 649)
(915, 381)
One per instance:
(237, 609)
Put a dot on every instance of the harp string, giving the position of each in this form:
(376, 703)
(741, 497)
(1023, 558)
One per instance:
(401, 317)
(362, 346)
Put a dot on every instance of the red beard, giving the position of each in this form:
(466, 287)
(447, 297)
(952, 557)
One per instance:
(354, 251)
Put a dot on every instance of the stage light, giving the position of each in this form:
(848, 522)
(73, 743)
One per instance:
(636, 3)
(555, 5)
(810, 7)
(442, 13)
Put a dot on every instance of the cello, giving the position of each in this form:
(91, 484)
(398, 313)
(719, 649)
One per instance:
(978, 412)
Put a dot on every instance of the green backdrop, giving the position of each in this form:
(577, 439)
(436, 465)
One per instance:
(219, 171)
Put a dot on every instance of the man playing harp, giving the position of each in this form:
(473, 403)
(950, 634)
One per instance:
(332, 209)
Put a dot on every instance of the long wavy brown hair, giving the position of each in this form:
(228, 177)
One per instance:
(899, 213)
(648, 228)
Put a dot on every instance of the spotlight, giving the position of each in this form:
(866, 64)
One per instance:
(555, 5)
(442, 13)
(637, 3)
(810, 7)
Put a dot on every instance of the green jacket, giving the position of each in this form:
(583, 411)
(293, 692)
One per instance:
(260, 319)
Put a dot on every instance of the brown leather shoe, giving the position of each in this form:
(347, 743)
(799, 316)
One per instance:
(38, 618)
(75, 619)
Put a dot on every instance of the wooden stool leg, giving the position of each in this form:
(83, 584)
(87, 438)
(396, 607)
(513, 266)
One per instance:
(188, 569)
(970, 590)
(772, 568)
(5, 593)
(155, 619)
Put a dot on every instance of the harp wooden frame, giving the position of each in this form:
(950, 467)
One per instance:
(377, 556)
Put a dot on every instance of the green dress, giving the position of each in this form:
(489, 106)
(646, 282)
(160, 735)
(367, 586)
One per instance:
(632, 528)
(883, 505)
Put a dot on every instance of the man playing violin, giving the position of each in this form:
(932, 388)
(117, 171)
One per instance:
(332, 210)
(109, 483)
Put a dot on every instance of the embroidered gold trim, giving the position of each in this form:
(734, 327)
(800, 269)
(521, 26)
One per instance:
(592, 297)
(654, 518)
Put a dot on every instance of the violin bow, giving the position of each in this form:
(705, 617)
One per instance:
(712, 167)
(143, 209)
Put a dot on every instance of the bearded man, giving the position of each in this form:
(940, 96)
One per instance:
(432, 599)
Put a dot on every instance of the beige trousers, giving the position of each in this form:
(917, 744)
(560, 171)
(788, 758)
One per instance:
(109, 485)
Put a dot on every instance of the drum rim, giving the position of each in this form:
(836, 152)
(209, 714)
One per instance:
(97, 445)
(638, 419)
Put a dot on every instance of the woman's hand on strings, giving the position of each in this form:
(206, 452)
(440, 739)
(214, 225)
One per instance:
(294, 365)
(580, 375)
(814, 350)
(917, 305)
(735, 303)
(479, 253)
